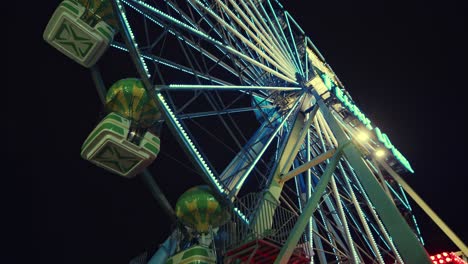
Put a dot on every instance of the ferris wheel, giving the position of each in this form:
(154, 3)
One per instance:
(304, 175)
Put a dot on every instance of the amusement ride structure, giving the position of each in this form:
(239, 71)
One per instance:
(294, 171)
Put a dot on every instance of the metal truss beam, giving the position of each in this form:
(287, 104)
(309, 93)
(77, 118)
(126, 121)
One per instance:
(434, 217)
(303, 221)
(406, 242)
(304, 167)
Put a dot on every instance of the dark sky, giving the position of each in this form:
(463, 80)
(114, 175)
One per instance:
(404, 63)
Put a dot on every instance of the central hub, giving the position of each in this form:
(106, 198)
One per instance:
(284, 102)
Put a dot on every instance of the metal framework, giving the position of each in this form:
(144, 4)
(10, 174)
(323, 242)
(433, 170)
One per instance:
(266, 56)
(257, 109)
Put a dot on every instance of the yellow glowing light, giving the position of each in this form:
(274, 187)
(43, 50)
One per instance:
(380, 153)
(362, 136)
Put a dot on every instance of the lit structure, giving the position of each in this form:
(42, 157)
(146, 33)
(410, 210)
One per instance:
(256, 108)
(380, 153)
(447, 257)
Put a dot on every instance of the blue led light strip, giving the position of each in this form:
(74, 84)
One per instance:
(190, 44)
(288, 45)
(173, 65)
(194, 152)
(223, 87)
(132, 38)
(263, 27)
(273, 30)
(210, 39)
(412, 214)
(252, 68)
(286, 72)
(286, 14)
(260, 153)
(141, 66)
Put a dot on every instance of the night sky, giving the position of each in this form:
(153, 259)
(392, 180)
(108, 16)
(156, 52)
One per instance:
(403, 62)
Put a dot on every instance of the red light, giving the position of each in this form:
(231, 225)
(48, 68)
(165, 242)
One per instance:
(447, 257)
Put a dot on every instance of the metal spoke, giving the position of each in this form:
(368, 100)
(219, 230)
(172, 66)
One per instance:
(174, 65)
(287, 72)
(220, 112)
(222, 87)
(162, 15)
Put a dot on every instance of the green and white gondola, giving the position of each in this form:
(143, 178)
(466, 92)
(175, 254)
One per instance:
(108, 147)
(82, 29)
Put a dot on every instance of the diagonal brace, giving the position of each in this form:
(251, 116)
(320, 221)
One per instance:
(304, 167)
(423, 205)
(405, 241)
(303, 221)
